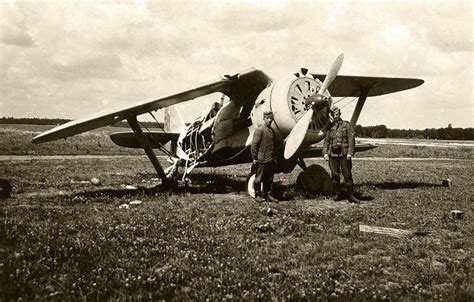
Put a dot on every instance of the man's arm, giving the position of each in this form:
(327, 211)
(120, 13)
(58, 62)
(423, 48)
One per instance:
(326, 145)
(326, 142)
(350, 138)
(257, 137)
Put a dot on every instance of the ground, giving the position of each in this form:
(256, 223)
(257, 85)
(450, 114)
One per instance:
(63, 238)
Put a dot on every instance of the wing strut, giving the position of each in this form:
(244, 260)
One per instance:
(132, 121)
(360, 103)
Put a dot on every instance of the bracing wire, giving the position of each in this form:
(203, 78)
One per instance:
(161, 147)
(159, 124)
(346, 103)
(339, 100)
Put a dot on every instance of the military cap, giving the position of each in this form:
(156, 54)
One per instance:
(334, 109)
(267, 114)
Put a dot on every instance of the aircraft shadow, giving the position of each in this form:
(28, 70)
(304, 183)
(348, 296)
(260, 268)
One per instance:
(199, 183)
(121, 192)
(398, 185)
(221, 184)
(209, 183)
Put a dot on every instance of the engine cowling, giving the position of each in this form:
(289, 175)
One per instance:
(286, 98)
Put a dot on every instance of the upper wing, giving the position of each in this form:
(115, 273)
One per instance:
(353, 85)
(223, 84)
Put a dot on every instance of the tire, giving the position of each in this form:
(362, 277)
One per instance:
(249, 188)
(315, 180)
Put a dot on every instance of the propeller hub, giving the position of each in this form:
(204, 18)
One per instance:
(318, 101)
(298, 133)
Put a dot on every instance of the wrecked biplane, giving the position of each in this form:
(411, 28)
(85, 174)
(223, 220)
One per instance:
(300, 104)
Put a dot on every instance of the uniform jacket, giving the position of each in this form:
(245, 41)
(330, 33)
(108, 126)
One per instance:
(263, 144)
(339, 133)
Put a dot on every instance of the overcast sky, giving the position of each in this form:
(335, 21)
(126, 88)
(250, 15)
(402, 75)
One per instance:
(69, 59)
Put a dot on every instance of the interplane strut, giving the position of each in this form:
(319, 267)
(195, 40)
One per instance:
(132, 121)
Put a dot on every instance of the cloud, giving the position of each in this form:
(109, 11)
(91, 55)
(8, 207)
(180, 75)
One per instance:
(454, 37)
(99, 54)
(16, 36)
(13, 27)
(88, 66)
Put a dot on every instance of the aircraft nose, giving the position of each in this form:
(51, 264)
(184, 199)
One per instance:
(320, 101)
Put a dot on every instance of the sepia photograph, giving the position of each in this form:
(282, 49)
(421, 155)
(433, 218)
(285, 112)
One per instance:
(236, 150)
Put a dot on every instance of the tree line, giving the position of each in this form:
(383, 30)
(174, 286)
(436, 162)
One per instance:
(379, 131)
(447, 133)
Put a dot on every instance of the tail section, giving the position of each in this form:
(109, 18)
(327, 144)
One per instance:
(173, 121)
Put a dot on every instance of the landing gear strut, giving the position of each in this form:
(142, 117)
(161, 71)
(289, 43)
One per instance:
(249, 184)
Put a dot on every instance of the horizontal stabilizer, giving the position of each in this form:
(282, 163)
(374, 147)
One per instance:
(347, 86)
(156, 139)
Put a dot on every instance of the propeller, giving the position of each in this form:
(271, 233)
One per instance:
(297, 134)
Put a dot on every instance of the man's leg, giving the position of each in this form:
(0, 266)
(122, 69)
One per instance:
(257, 184)
(335, 176)
(268, 182)
(346, 167)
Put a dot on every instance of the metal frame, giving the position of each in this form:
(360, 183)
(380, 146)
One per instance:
(132, 121)
(360, 103)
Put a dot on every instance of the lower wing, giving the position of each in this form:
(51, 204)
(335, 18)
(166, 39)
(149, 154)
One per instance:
(156, 139)
(317, 151)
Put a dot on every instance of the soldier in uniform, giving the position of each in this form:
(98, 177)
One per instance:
(338, 149)
(262, 150)
(214, 109)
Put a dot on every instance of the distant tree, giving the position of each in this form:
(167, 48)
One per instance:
(378, 131)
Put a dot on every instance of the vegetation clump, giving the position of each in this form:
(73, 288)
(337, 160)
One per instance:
(63, 238)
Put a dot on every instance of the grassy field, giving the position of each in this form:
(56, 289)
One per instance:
(16, 140)
(63, 238)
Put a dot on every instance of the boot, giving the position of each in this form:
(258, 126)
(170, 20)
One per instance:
(350, 195)
(270, 198)
(337, 190)
(258, 196)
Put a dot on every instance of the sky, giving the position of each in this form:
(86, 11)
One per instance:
(68, 59)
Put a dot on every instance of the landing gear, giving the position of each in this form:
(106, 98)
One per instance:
(314, 180)
(249, 186)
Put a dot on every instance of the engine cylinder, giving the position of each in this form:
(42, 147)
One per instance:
(286, 98)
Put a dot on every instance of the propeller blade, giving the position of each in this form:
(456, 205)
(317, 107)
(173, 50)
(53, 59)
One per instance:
(297, 134)
(332, 73)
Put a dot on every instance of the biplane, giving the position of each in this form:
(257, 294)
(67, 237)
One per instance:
(223, 134)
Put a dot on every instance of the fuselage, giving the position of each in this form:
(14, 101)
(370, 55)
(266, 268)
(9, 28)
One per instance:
(227, 136)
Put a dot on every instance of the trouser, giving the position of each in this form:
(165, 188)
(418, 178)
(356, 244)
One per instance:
(264, 175)
(338, 165)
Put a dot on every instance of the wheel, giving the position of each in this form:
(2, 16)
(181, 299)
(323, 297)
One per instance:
(314, 180)
(249, 184)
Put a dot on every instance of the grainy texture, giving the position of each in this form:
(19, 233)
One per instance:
(64, 238)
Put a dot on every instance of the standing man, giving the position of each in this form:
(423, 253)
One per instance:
(214, 109)
(263, 144)
(338, 149)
